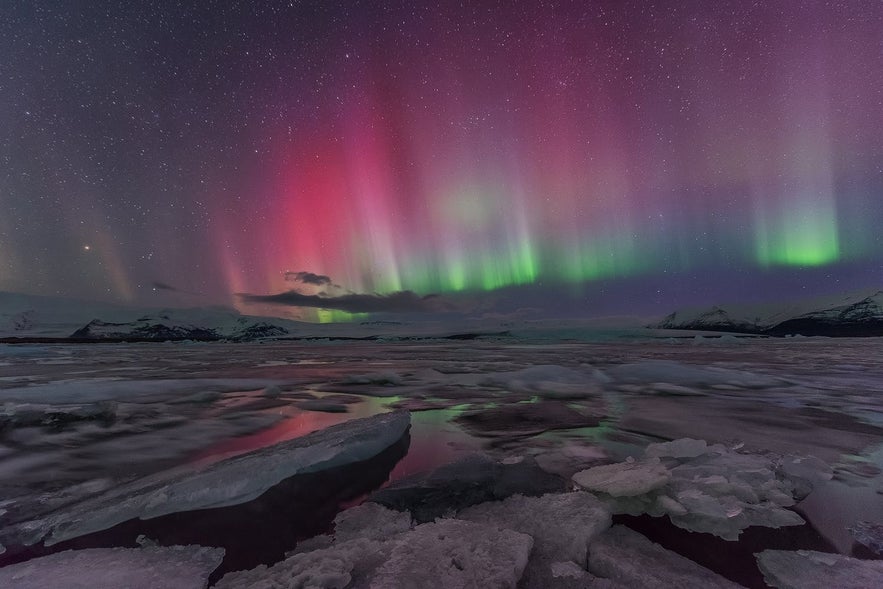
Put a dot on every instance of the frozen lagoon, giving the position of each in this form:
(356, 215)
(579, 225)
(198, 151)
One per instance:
(80, 422)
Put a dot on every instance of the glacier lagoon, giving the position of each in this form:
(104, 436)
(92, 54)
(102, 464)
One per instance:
(777, 446)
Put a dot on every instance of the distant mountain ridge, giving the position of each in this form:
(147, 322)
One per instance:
(855, 315)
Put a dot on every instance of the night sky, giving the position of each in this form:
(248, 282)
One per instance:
(587, 157)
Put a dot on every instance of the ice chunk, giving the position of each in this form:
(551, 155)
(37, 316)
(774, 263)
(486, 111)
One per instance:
(561, 525)
(454, 554)
(624, 479)
(808, 569)
(718, 491)
(334, 567)
(173, 567)
(524, 419)
(688, 375)
(866, 533)
(370, 520)
(628, 557)
(474, 479)
(682, 448)
(546, 380)
(228, 482)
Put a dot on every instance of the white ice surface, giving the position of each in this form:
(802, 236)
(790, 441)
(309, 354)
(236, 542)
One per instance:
(808, 569)
(228, 482)
(173, 567)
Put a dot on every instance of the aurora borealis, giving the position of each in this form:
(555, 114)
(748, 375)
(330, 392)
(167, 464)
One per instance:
(558, 147)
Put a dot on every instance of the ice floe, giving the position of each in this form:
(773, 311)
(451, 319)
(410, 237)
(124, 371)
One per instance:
(173, 567)
(629, 558)
(228, 482)
(808, 569)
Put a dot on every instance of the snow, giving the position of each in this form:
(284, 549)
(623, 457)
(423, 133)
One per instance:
(629, 558)
(173, 567)
(808, 569)
(228, 482)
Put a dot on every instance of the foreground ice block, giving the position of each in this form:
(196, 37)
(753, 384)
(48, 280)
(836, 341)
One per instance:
(808, 569)
(631, 559)
(455, 554)
(173, 567)
(228, 482)
(447, 554)
(561, 525)
(624, 479)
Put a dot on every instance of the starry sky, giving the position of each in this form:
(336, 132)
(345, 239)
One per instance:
(333, 156)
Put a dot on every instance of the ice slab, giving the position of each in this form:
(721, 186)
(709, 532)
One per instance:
(561, 525)
(455, 554)
(445, 554)
(624, 479)
(228, 482)
(546, 380)
(345, 564)
(808, 569)
(370, 520)
(525, 419)
(173, 567)
(473, 479)
(629, 558)
(869, 534)
(689, 375)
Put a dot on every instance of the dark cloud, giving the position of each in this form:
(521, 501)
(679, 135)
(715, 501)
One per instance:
(163, 286)
(308, 278)
(398, 302)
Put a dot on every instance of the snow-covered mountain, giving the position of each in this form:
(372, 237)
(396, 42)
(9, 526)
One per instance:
(29, 316)
(858, 314)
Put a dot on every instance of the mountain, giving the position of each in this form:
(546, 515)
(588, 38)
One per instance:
(163, 327)
(30, 316)
(853, 315)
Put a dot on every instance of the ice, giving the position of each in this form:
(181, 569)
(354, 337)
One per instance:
(546, 380)
(445, 554)
(473, 479)
(228, 482)
(683, 448)
(624, 479)
(808, 569)
(173, 567)
(93, 390)
(347, 564)
(561, 525)
(629, 558)
(372, 521)
(454, 554)
(689, 375)
(515, 420)
(719, 491)
(869, 534)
